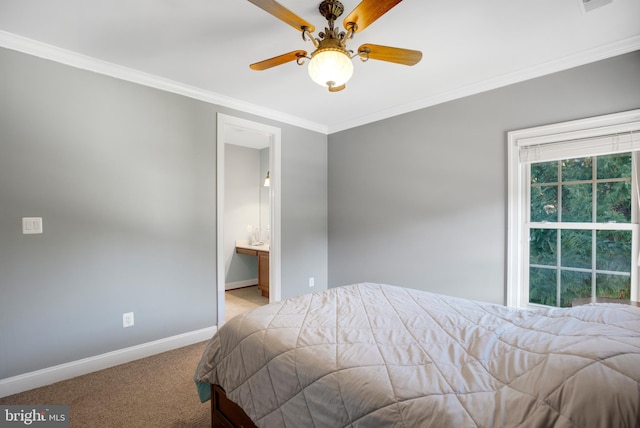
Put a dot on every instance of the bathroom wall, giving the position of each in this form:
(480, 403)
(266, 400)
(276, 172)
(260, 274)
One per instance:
(242, 193)
(265, 203)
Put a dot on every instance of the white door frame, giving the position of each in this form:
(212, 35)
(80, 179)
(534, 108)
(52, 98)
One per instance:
(274, 134)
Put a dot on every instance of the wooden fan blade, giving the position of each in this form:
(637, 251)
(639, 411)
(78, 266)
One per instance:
(366, 13)
(278, 60)
(283, 14)
(387, 53)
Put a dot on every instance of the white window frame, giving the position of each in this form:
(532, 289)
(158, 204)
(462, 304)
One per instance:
(561, 140)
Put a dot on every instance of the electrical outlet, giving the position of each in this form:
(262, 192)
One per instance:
(312, 282)
(127, 320)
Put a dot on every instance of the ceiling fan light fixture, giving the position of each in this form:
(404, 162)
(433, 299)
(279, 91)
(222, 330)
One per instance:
(330, 64)
(330, 67)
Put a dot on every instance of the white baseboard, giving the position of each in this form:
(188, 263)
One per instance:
(38, 378)
(240, 284)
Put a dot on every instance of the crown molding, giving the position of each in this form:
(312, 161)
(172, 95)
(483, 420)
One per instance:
(84, 62)
(592, 55)
(74, 59)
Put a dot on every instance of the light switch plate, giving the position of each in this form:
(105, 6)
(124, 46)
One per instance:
(31, 225)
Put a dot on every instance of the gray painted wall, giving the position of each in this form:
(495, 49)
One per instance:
(420, 200)
(304, 211)
(124, 177)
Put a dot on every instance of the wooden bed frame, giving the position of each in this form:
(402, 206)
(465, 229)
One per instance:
(225, 413)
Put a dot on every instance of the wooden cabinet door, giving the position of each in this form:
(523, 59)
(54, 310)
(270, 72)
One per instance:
(263, 272)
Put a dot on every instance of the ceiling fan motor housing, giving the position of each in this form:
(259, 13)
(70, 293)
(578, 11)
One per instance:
(331, 9)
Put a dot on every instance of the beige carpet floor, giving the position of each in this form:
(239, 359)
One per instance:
(157, 391)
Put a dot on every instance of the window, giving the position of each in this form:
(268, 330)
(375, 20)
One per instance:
(579, 228)
(573, 198)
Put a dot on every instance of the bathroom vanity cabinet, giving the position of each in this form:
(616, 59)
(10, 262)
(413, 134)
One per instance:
(262, 252)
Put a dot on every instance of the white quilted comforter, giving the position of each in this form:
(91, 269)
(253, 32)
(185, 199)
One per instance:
(371, 355)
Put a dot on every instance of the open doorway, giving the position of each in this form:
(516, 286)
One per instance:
(231, 128)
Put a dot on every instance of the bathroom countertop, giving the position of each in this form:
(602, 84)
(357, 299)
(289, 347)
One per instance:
(246, 245)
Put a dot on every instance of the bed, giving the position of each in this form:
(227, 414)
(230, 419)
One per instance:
(375, 355)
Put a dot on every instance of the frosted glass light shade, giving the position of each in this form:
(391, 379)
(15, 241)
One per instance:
(330, 66)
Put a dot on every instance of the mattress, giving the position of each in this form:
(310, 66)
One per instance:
(376, 355)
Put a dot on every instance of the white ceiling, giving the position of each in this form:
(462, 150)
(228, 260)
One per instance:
(203, 48)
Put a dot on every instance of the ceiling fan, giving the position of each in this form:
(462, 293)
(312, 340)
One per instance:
(330, 64)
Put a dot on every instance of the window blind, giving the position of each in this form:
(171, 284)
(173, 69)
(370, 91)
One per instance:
(567, 149)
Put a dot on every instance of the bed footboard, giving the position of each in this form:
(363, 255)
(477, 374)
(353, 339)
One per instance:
(225, 413)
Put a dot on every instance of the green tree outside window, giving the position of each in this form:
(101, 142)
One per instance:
(570, 254)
